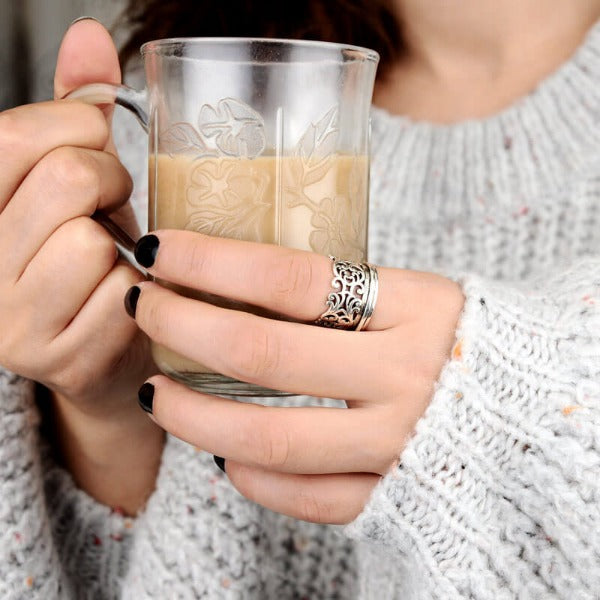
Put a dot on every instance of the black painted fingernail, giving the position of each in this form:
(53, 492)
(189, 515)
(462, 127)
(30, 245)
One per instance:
(220, 462)
(146, 249)
(131, 299)
(146, 397)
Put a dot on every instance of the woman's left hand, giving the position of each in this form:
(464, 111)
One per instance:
(313, 463)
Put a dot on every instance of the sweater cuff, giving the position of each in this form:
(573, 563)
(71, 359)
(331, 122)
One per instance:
(92, 540)
(498, 487)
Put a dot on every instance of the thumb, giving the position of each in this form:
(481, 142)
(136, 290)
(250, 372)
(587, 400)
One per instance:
(87, 55)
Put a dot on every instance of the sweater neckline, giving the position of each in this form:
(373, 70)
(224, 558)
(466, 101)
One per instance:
(532, 146)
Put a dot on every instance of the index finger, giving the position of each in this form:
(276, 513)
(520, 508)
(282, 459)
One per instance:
(285, 281)
(87, 54)
(28, 133)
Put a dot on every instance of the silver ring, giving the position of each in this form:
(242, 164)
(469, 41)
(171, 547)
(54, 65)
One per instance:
(351, 303)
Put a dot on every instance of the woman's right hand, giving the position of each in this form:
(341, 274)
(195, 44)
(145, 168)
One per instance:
(62, 321)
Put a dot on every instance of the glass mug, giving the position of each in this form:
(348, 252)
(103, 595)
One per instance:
(262, 140)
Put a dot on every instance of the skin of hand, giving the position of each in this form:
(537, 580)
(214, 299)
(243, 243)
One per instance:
(62, 281)
(313, 463)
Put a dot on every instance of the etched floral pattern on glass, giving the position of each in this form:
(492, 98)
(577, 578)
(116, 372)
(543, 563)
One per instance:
(234, 186)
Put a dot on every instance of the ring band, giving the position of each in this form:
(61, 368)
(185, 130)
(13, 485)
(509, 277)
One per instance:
(351, 303)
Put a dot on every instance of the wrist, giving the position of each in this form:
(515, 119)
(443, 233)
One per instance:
(115, 460)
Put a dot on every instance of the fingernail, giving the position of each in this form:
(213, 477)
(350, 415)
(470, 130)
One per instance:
(146, 249)
(146, 397)
(131, 300)
(84, 18)
(220, 462)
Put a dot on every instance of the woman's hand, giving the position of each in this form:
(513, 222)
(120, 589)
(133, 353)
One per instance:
(62, 321)
(317, 464)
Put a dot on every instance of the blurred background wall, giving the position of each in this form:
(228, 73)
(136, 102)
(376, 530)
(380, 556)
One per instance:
(30, 34)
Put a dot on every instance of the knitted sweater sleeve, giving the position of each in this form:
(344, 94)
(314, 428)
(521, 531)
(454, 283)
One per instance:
(28, 563)
(55, 541)
(497, 494)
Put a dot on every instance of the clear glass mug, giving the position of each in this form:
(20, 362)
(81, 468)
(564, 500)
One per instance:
(263, 140)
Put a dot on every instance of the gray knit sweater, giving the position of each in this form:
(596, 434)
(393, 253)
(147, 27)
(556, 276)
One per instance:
(497, 495)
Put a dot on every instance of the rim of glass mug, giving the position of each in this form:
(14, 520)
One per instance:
(304, 50)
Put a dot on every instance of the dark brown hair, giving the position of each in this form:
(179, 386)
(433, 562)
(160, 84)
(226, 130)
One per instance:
(369, 23)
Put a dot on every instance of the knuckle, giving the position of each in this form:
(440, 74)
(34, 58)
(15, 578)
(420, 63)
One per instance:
(15, 134)
(289, 279)
(90, 239)
(254, 351)
(268, 443)
(75, 169)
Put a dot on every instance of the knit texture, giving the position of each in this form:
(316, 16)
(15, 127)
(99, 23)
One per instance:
(497, 493)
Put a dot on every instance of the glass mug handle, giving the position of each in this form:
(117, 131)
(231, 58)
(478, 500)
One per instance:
(133, 101)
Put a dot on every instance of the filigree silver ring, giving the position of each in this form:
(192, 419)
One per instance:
(351, 303)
